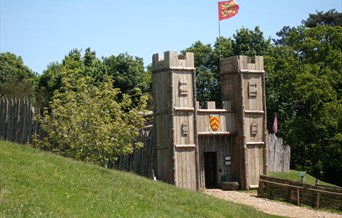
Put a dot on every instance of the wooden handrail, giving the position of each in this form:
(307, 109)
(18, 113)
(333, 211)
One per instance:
(281, 184)
(323, 191)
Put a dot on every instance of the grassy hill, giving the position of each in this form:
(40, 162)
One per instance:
(34, 183)
(294, 176)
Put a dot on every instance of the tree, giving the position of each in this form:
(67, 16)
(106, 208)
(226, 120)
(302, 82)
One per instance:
(207, 81)
(250, 43)
(88, 121)
(329, 18)
(51, 78)
(281, 68)
(129, 75)
(16, 79)
(303, 85)
(318, 92)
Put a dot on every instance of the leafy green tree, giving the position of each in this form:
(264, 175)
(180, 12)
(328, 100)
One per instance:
(90, 122)
(250, 43)
(48, 82)
(329, 18)
(129, 75)
(304, 86)
(16, 79)
(281, 68)
(207, 82)
(51, 78)
(318, 91)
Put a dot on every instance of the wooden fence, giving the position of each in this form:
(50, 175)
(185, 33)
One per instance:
(279, 155)
(17, 123)
(300, 194)
(141, 160)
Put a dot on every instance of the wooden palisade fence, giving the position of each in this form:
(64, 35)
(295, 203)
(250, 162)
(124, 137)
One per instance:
(141, 160)
(17, 122)
(279, 155)
(300, 194)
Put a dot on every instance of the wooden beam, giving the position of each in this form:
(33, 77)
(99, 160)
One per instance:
(186, 109)
(254, 112)
(215, 111)
(214, 133)
(185, 146)
(255, 143)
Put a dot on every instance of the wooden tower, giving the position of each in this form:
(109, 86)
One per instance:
(174, 119)
(243, 86)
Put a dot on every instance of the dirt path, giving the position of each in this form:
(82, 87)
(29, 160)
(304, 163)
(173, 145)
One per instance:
(268, 206)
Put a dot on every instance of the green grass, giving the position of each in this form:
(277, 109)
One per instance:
(294, 176)
(34, 183)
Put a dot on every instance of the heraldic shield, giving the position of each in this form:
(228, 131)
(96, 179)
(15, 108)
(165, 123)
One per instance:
(214, 121)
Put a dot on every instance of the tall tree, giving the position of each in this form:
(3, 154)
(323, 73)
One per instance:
(207, 82)
(329, 18)
(250, 43)
(129, 75)
(51, 78)
(88, 121)
(304, 86)
(16, 79)
(318, 92)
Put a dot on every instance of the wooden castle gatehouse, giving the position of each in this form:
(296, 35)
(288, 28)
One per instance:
(198, 148)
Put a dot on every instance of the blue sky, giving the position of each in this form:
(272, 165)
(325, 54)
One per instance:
(44, 31)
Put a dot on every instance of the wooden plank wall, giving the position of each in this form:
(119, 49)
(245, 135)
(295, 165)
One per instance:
(255, 165)
(254, 124)
(185, 165)
(221, 145)
(16, 120)
(227, 121)
(162, 125)
(279, 155)
(184, 129)
(141, 161)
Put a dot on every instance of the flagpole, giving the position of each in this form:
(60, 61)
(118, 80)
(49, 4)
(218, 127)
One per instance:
(219, 39)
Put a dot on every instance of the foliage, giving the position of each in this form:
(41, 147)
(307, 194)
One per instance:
(129, 76)
(329, 18)
(39, 184)
(16, 79)
(207, 72)
(207, 59)
(250, 43)
(304, 87)
(89, 122)
(127, 73)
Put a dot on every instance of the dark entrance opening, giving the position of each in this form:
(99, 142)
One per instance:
(210, 169)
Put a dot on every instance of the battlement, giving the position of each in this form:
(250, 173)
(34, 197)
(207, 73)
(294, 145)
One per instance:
(242, 64)
(172, 60)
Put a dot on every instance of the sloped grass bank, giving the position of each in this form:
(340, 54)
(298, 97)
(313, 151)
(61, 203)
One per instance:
(38, 184)
(294, 176)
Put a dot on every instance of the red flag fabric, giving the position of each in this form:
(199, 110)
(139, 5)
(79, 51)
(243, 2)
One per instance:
(227, 9)
(275, 124)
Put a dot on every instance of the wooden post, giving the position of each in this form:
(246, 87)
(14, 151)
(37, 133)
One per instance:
(318, 195)
(298, 197)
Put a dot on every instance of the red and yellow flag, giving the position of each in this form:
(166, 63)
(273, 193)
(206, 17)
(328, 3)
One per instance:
(227, 9)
